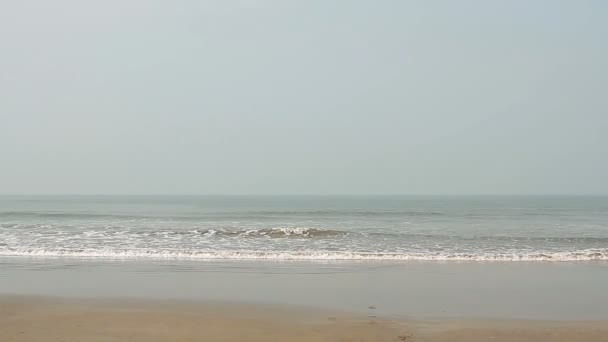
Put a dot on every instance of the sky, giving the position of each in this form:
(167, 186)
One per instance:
(303, 97)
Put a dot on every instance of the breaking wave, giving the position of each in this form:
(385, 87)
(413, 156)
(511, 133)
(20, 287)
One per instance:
(270, 232)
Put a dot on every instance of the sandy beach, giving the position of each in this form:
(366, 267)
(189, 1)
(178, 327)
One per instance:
(59, 319)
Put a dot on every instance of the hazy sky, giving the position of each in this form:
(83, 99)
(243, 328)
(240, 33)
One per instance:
(315, 97)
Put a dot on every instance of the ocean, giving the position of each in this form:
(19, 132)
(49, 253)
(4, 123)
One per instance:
(306, 228)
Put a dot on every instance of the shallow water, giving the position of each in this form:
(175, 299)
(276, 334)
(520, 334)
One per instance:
(480, 257)
(502, 290)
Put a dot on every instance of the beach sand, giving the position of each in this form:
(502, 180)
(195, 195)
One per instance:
(58, 319)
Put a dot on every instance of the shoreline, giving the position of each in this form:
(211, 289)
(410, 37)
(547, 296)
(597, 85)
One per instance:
(36, 318)
(419, 290)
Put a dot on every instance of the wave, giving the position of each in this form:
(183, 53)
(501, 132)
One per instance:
(580, 255)
(286, 232)
(271, 232)
(277, 232)
(274, 232)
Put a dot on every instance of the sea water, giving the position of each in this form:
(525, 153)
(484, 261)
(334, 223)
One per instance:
(306, 228)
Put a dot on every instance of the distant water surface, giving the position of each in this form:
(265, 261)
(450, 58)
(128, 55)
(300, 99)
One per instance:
(306, 227)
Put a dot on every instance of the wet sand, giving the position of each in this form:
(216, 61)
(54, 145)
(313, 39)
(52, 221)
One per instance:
(27, 318)
(537, 291)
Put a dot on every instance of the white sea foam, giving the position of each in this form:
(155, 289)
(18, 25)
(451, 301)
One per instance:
(582, 255)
